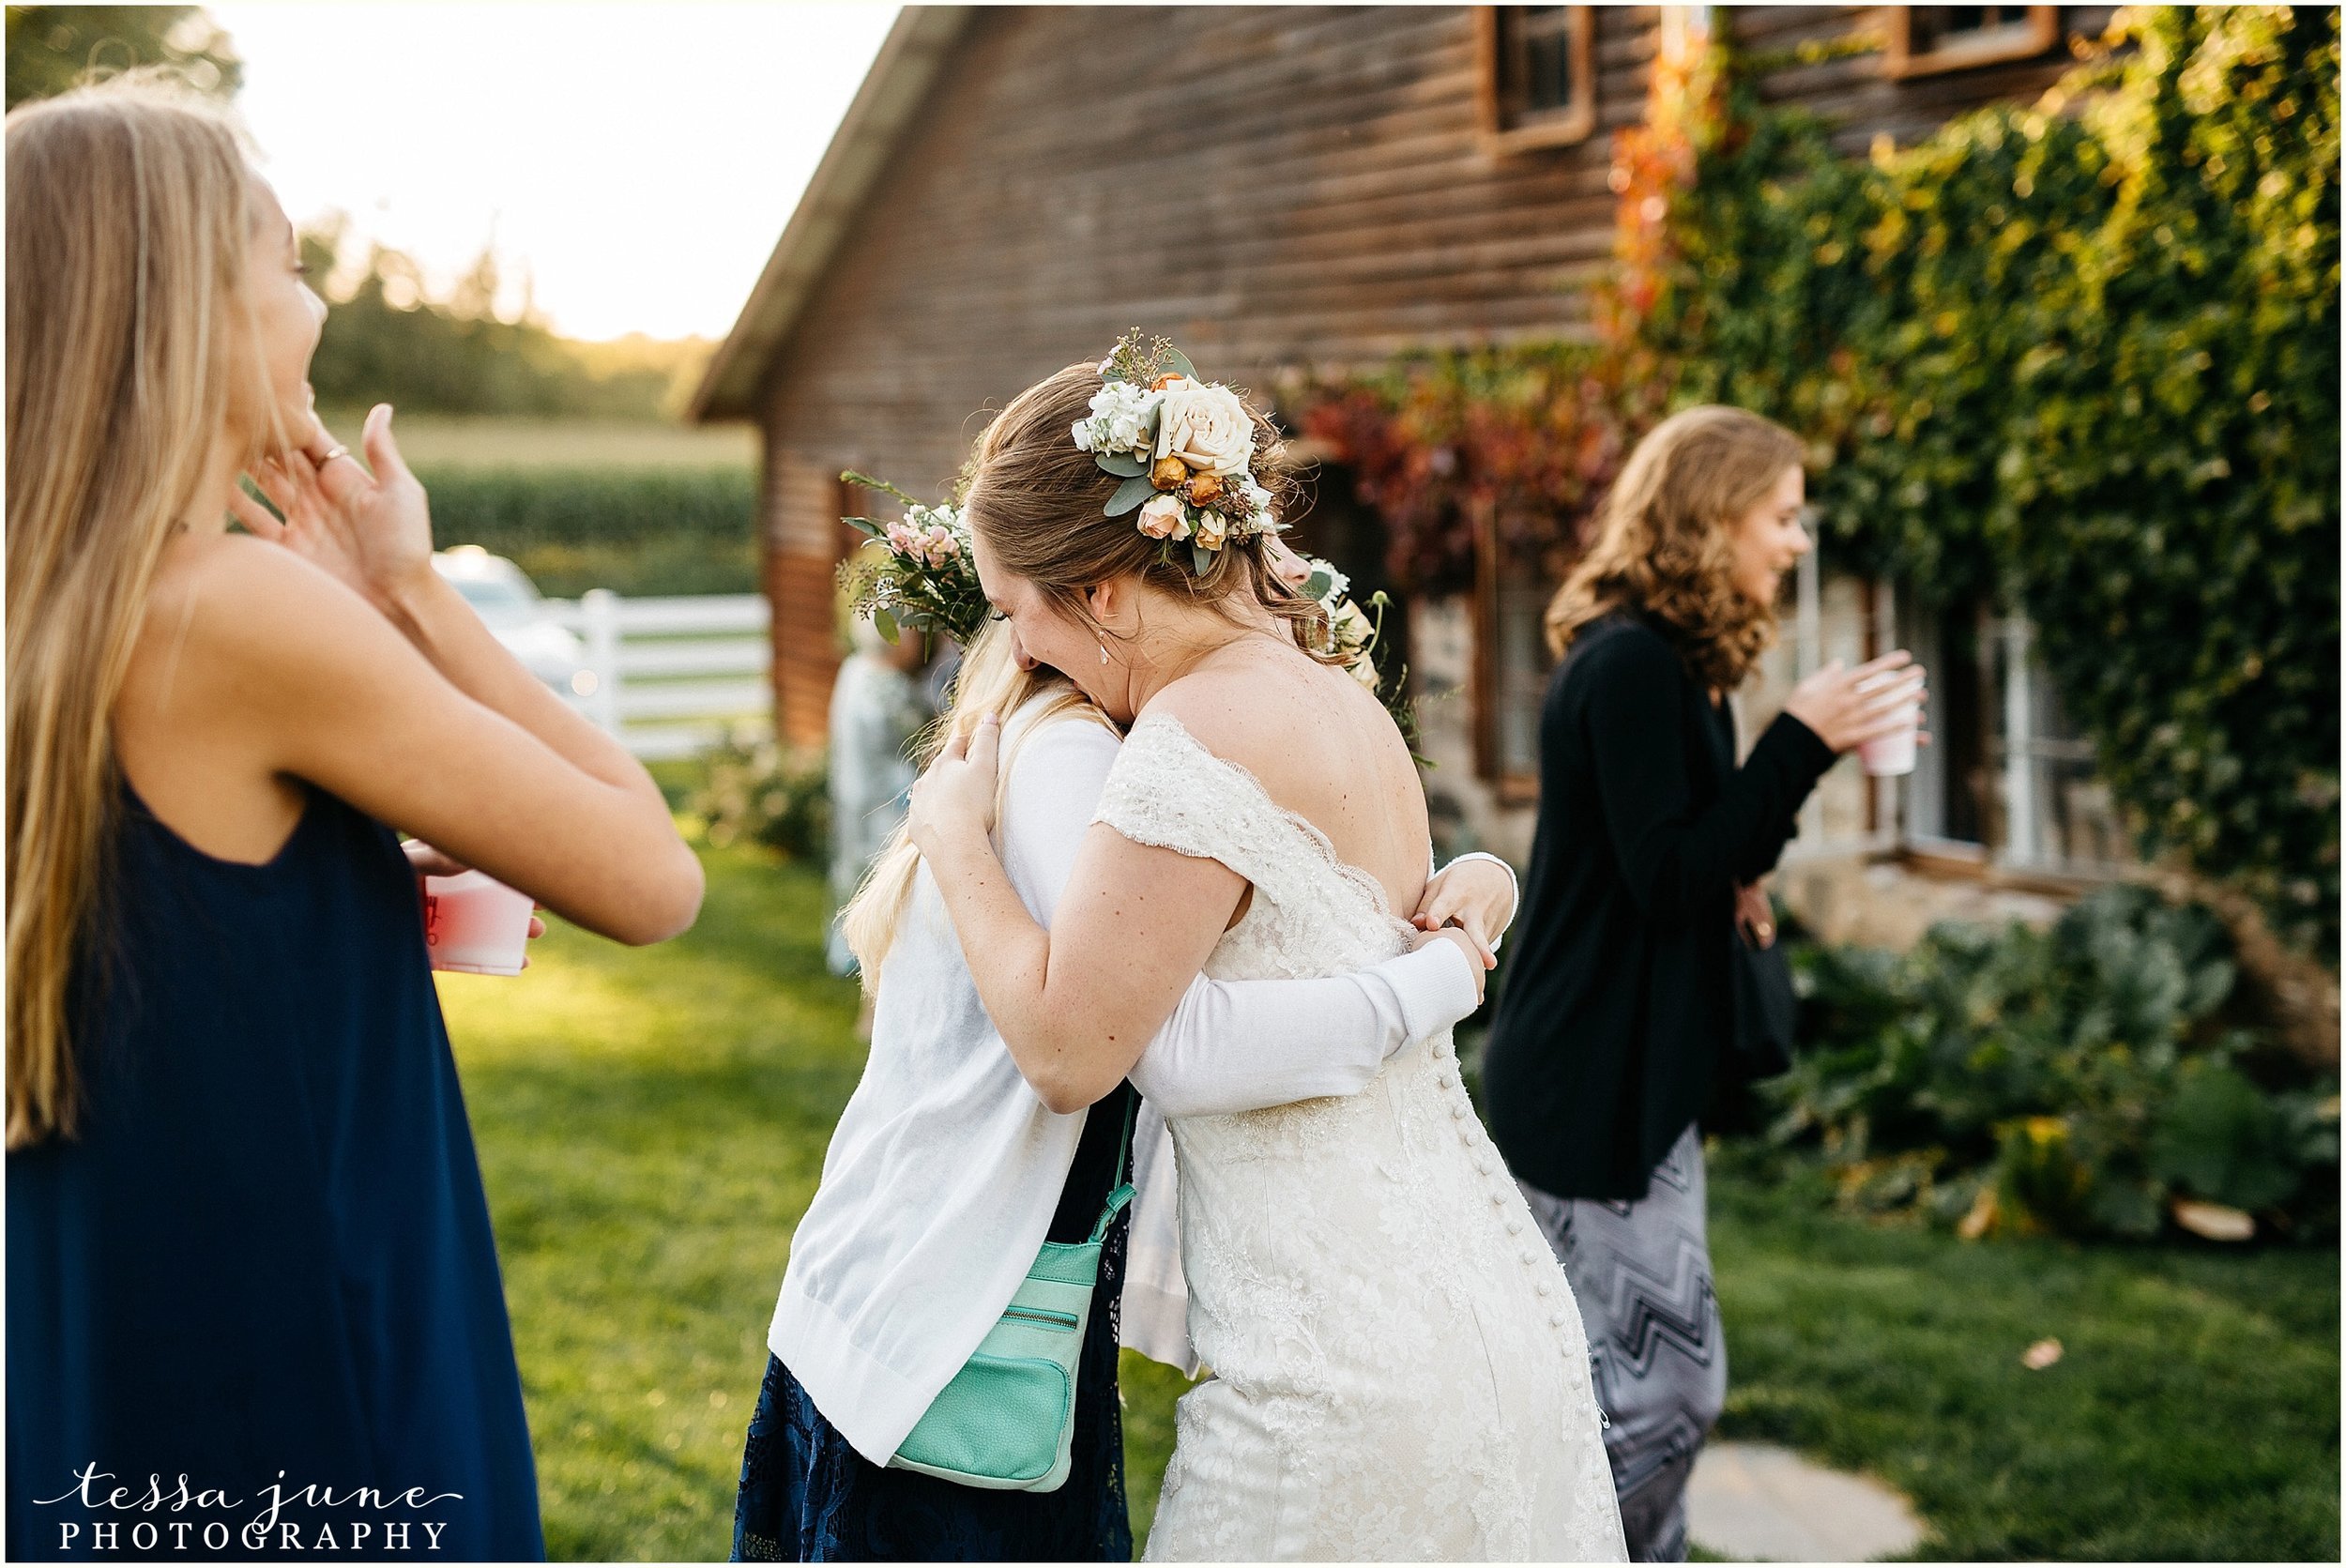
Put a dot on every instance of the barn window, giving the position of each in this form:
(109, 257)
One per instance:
(2009, 778)
(1512, 664)
(1926, 40)
(1537, 77)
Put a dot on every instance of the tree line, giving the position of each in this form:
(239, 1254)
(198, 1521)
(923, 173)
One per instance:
(385, 337)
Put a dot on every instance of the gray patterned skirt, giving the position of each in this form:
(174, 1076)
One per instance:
(1641, 1274)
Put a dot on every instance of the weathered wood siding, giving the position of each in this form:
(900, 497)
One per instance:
(1269, 186)
(1854, 91)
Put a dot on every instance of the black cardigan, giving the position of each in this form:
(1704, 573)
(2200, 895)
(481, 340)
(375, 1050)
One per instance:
(1620, 996)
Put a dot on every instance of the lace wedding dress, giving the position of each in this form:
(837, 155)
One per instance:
(1399, 1371)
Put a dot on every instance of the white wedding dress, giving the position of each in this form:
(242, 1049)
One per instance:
(1399, 1371)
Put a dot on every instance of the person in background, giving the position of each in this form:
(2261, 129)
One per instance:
(247, 1241)
(1650, 846)
(877, 705)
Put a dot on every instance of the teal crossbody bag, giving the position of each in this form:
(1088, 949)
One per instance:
(1007, 1420)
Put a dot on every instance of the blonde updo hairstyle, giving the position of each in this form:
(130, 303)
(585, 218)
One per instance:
(1665, 540)
(1038, 500)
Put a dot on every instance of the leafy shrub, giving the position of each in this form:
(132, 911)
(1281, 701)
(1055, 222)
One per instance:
(2079, 1080)
(633, 530)
(761, 792)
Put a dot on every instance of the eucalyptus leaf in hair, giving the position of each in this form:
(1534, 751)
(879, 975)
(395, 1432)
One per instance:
(1129, 494)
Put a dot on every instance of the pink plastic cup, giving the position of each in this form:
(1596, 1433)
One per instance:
(475, 924)
(1891, 755)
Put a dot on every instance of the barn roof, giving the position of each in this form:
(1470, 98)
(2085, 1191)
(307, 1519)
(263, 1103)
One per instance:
(892, 92)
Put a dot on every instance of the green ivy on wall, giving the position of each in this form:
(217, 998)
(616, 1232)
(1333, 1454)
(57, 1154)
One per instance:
(2079, 357)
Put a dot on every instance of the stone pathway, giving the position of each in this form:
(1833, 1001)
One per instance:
(1757, 1502)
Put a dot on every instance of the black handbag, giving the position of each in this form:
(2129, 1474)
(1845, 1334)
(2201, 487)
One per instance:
(1765, 1010)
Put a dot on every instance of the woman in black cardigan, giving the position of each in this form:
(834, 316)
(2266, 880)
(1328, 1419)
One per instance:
(1650, 846)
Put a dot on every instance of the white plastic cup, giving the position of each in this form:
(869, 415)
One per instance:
(475, 924)
(1891, 755)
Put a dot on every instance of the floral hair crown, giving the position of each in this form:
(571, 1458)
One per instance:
(1183, 446)
(925, 581)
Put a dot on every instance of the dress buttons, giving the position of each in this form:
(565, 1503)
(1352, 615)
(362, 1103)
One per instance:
(1458, 1112)
(1498, 1200)
(1546, 1288)
(1530, 1256)
(1555, 1320)
(1515, 1226)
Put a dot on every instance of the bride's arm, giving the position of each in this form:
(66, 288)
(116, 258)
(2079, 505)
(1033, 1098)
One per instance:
(1077, 1003)
(1230, 1045)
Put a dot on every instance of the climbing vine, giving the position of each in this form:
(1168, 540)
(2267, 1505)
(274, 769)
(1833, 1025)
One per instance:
(2079, 356)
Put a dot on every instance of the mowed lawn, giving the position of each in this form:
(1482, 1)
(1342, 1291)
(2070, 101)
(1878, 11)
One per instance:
(651, 1123)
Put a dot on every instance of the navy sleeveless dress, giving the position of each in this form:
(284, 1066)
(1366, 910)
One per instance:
(258, 1293)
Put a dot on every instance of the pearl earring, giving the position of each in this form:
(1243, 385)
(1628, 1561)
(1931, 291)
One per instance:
(1104, 653)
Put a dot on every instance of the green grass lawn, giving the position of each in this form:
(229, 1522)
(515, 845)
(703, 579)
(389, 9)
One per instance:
(651, 1123)
(2194, 1413)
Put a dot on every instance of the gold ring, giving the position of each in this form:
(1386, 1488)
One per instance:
(337, 451)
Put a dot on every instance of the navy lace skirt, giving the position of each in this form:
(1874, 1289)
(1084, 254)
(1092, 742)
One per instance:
(808, 1497)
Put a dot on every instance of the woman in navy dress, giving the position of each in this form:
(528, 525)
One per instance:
(254, 1306)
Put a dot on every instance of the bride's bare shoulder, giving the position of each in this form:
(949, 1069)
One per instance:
(1273, 716)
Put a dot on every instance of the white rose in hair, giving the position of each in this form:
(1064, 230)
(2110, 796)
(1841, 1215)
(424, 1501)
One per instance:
(1207, 427)
(1213, 529)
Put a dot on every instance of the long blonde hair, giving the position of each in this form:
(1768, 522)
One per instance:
(1665, 542)
(990, 681)
(130, 229)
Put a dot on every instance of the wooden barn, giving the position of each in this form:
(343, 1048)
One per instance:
(1284, 188)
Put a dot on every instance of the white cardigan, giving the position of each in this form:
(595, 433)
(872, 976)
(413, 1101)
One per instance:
(945, 1168)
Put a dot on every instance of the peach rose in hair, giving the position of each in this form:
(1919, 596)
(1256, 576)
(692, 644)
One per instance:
(1161, 516)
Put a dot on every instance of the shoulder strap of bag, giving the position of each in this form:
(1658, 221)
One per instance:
(1123, 1194)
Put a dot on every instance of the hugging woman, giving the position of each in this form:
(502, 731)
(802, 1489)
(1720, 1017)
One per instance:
(959, 1160)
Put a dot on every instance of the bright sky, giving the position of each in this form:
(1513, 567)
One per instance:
(638, 160)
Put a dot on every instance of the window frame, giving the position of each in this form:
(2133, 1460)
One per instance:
(1571, 126)
(2004, 855)
(2023, 39)
(1512, 787)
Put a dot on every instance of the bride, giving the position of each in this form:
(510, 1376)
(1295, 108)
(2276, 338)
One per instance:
(1399, 1369)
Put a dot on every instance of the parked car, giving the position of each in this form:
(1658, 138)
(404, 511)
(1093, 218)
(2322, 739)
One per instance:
(518, 617)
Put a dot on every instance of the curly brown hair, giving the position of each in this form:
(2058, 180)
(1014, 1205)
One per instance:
(1665, 542)
(1040, 501)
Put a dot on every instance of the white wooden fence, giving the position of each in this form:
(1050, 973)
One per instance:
(697, 668)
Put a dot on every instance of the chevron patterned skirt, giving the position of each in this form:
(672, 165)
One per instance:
(1641, 1274)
